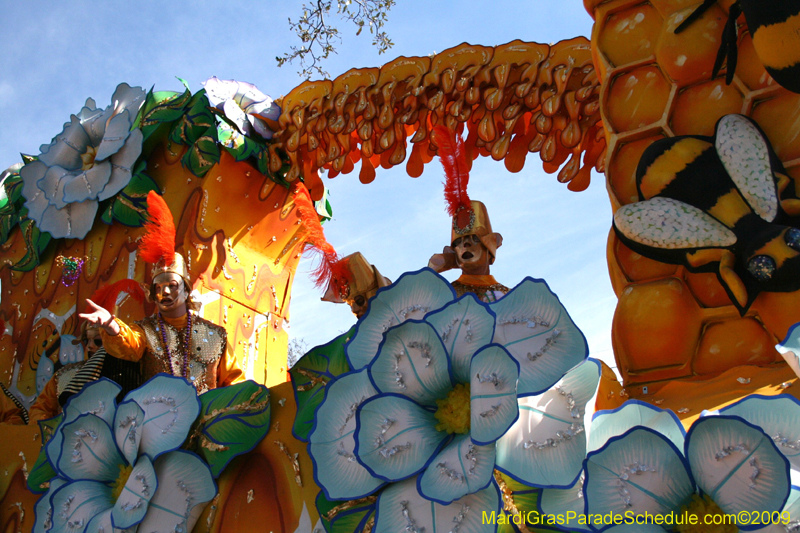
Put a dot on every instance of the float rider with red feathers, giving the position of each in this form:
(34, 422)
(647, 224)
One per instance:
(473, 244)
(173, 340)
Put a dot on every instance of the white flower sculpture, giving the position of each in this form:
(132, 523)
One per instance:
(737, 461)
(91, 160)
(119, 467)
(244, 105)
(435, 383)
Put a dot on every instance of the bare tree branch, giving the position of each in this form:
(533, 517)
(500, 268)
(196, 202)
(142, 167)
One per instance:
(318, 34)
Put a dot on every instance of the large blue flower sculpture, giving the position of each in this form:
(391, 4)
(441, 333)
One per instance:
(119, 467)
(91, 160)
(434, 382)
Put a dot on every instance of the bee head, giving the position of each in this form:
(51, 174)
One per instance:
(775, 265)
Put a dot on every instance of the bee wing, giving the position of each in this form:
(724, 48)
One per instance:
(745, 153)
(669, 224)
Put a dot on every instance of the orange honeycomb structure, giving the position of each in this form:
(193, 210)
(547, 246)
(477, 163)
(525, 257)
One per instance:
(670, 323)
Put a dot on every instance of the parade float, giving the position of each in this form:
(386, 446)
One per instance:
(496, 409)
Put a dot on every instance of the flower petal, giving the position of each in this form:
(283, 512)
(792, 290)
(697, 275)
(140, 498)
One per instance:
(98, 398)
(464, 326)
(116, 132)
(185, 485)
(536, 329)
(127, 429)
(86, 185)
(133, 501)
(777, 416)
(67, 147)
(565, 502)
(639, 471)
(75, 504)
(122, 165)
(493, 393)
(737, 465)
(72, 222)
(412, 361)
(611, 423)
(461, 468)
(127, 97)
(43, 509)
(401, 509)
(410, 297)
(52, 185)
(89, 450)
(332, 439)
(170, 406)
(547, 445)
(395, 436)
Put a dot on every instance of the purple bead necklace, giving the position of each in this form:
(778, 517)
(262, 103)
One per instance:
(186, 345)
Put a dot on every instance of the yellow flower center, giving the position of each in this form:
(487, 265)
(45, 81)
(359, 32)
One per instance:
(119, 483)
(453, 411)
(88, 157)
(702, 507)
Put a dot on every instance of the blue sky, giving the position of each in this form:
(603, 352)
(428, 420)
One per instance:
(56, 54)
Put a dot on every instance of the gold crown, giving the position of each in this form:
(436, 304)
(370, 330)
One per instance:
(178, 267)
(477, 224)
(364, 280)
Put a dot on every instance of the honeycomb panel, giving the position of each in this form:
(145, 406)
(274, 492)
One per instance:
(656, 329)
(639, 268)
(732, 343)
(628, 36)
(779, 117)
(707, 289)
(778, 311)
(640, 97)
(621, 173)
(749, 68)
(689, 64)
(698, 108)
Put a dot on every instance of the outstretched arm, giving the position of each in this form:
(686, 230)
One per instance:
(120, 340)
(102, 318)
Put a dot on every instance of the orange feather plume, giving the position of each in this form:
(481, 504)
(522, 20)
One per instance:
(330, 266)
(453, 157)
(158, 242)
(106, 295)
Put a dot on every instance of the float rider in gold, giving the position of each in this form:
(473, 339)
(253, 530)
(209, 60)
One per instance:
(472, 249)
(174, 340)
(360, 281)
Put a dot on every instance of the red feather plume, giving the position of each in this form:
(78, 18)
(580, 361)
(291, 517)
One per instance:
(106, 295)
(158, 242)
(330, 265)
(451, 153)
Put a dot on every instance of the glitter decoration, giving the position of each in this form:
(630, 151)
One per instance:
(71, 268)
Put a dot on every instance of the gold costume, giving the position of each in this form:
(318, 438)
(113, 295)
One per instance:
(484, 287)
(208, 361)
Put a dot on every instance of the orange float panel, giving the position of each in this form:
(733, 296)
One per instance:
(639, 98)
(629, 35)
(685, 63)
(779, 117)
(734, 342)
(698, 108)
(639, 268)
(707, 289)
(655, 330)
(621, 173)
(778, 311)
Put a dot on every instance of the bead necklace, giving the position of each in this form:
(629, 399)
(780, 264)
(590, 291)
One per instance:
(187, 341)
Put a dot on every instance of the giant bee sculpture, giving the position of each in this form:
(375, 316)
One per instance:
(714, 204)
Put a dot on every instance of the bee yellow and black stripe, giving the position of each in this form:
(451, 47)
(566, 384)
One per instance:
(775, 28)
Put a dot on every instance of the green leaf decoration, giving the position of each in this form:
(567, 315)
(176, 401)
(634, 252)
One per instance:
(310, 375)
(195, 122)
(129, 206)
(243, 146)
(28, 158)
(203, 154)
(42, 472)
(232, 421)
(35, 244)
(161, 108)
(346, 517)
(262, 162)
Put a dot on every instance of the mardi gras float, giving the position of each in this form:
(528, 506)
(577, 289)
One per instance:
(444, 405)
